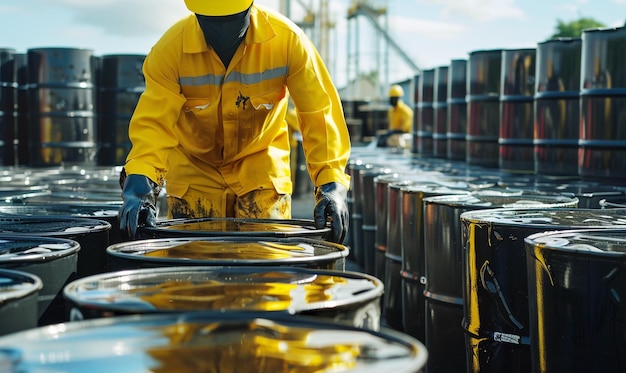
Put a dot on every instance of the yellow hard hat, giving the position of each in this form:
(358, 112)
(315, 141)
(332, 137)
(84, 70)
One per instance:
(217, 7)
(396, 91)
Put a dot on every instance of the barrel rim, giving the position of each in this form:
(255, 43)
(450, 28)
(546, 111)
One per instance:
(531, 241)
(161, 227)
(96, 225)
(70, 290)
(342, 251)
(73, 249)
(417, 354)
(35, 286)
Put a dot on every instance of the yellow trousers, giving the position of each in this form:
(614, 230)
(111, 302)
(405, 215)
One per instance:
(261, 204)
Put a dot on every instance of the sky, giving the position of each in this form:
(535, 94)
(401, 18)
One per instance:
(430, 32)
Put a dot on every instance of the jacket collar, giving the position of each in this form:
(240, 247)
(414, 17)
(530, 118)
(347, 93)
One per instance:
(260, 31)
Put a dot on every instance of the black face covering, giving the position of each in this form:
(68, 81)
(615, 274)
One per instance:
(225, 33)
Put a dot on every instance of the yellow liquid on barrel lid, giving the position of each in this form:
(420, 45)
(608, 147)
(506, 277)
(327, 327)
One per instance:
(206, 250)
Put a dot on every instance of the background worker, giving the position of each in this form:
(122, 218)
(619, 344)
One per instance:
(400, 115)
(210, 124)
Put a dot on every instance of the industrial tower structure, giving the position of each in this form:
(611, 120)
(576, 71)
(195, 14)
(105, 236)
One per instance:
(361, 65)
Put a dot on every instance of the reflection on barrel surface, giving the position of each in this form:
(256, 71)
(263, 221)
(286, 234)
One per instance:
(213, 342)
(346, 296)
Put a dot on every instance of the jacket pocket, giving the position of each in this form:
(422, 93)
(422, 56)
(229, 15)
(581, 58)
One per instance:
(282, 185)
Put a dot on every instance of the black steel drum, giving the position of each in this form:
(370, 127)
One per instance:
(227, 251)
(440, 109)
(445, 336)
(341, 296)
(62, 106)
(211, 342)
(456, 126)
(495, 298)
(89, 210)
(425, 115)
(516, 111)
(412, 253)
(602, 142)
(483, 107)
(18, 301)
(91, 234)
(53, 260)
(121, 84)
(576, 290)
(557, 107)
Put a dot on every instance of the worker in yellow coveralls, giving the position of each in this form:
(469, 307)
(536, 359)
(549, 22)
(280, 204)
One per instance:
(211, 126)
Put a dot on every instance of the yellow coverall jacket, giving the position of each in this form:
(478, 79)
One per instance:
(201, 125)
(401, 117)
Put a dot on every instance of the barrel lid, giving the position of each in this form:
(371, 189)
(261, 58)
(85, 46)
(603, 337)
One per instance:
(16, 249)
(602, 242)
(553, 217)
(197, 341)
(17, 285)
(494, 199)
(51, 225)
(235, 226)
(228, 250)
(289, 289)
(86, 209)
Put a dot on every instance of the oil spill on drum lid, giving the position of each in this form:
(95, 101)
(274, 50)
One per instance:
(347, 296)
(227, 251)
(576, 288)
(235, 227)
(224, 342)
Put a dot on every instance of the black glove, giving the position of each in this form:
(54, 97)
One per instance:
(331, 205)
(139, 209)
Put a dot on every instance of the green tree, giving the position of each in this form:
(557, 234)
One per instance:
(575, 28)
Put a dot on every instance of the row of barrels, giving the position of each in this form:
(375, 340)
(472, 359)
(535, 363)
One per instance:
(553, 110)
(66, 106)
(192, 295)
(493, 271)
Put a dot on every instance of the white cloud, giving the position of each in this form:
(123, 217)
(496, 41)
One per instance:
(407, 27)
(479, 10)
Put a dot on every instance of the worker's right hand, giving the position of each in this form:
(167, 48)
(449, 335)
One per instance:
(139, 208)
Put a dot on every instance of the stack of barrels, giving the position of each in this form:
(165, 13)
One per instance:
(504, 252)
(66, 106)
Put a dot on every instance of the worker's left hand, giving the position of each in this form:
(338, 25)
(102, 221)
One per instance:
(331, 205)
